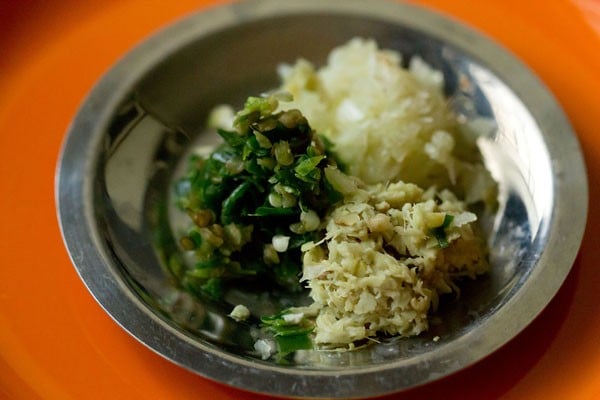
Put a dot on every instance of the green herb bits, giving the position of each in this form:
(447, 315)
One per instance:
(255, 199)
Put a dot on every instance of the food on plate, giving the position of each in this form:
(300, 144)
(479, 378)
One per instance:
(388, 252)
(389, 123)
(255, 200)
(352, 183)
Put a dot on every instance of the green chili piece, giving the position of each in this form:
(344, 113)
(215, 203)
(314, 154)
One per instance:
(232, 202)
(439, 232)
(233, 139)
(307, 165)
(265, 211)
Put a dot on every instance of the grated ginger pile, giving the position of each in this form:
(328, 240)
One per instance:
(380, 269)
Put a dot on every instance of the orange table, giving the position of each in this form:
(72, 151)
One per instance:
(55, 340)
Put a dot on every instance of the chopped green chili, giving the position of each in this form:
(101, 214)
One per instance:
(289, 336)
(255, 185)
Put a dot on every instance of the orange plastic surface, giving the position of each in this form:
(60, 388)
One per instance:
(55, 340)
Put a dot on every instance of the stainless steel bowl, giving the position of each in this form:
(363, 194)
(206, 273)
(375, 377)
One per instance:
(129, 138)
